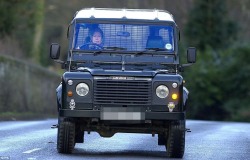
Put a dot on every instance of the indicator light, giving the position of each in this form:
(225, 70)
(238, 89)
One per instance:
(70, 93)
(174, 96)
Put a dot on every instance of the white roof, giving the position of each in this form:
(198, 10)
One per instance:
(145, 14)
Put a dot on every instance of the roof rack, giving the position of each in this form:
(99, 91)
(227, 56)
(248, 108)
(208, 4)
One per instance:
(118, 13)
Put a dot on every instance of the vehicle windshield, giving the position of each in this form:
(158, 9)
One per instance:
(125, 37)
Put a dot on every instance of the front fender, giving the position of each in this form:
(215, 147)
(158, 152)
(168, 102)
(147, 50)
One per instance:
(59, 96)
(185, 96)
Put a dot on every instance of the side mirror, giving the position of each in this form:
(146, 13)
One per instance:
(191, 55)
(54, 51)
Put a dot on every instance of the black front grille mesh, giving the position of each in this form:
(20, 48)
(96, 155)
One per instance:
(123, 92)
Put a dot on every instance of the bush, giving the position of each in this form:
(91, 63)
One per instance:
(237, 73)
(218, 83)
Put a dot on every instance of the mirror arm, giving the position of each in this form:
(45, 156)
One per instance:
(187, 64)
(181, 67)
(59, 61)
(63, 64)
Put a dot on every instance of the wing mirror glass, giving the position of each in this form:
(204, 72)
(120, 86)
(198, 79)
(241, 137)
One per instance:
(191, 55)
(54, 51)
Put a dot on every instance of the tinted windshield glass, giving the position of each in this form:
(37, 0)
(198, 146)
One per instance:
(129, 37)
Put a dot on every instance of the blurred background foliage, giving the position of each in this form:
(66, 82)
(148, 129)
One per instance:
(218, 82)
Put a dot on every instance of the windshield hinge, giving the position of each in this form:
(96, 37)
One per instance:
(123, 63)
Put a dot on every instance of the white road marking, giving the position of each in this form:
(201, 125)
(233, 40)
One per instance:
(32, 150)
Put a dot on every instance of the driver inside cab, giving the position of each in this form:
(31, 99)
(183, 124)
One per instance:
(94, 41)
(97, 36)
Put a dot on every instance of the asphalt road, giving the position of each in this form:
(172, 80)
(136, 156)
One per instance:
(35, 140)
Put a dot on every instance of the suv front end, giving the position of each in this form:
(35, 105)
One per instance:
(130, 83)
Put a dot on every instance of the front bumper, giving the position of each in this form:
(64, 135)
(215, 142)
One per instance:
(148, 114)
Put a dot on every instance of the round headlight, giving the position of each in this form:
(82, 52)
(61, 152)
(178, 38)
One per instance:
(162, 91)
(82, 89)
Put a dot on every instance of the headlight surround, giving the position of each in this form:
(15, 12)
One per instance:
(82, 89)
(162, 91)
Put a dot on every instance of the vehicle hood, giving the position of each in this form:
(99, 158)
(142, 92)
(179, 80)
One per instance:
(101, 72)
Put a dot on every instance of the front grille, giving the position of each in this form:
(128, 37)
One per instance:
(123, 92)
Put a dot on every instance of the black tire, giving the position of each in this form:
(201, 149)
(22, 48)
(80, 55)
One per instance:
(79, 137)
(66, 137)
(175, 145)
(161, 139)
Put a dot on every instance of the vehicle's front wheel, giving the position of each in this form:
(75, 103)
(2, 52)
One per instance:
(176, 139)
(66, 137)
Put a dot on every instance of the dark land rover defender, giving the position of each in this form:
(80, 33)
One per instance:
(122, 75)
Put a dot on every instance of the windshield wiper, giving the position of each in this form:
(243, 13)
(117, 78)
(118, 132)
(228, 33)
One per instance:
(110, 49)
(156, 49)
(149, 49)
(97, 52)
(115, 48)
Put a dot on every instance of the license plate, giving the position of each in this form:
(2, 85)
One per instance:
(121, 114)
